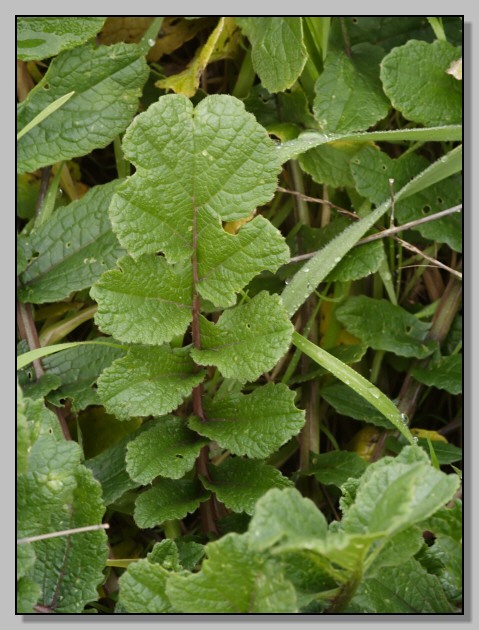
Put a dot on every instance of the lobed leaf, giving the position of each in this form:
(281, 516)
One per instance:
(233, 579)
(148, 381)
(239, 483)
(71, 250)
(168, 449)
(107, 82)
(255, 424)
(247, 340)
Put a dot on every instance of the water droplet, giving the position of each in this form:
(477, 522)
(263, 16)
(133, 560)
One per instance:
(404, 418)
(306, 269)
(204, 152)
(151, 42)
(415, 439)
(337, 259)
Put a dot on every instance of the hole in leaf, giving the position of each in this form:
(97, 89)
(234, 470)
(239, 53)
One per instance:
(408, 329)
(383, 166)
(354, 20)
(33, 257)
(178, 456)
(440, 200)
(68, 244)
(426, 209)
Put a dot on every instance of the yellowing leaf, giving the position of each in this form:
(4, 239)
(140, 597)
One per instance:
(187, 82)
(432, 435)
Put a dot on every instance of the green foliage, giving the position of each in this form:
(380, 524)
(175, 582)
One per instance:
(199, 329)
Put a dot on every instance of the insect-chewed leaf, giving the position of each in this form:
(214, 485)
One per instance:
(215, 156)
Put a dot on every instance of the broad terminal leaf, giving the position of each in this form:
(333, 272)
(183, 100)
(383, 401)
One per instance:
(278, 50)
(71, 250)
(255, 424)
(384, 326)
(239, 483)
(78, 369)
(145, 300)
(285, 516)
(443, 373)
(168, 449)
(214, 157)
(42, 37)
(349, 96)
(168, 499)
(415, 78)
(107, 82)
(404, 589)
(247, 340)
(233, 579)
(336, 467)
(148, 381)
(142, 588)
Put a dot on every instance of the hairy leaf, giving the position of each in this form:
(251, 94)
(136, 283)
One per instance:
(239, 483)
(415, 79)
(142, 588)
(71, 250)
(255, 424)
(233, 579)
(148, 381)
(41, 37)
(278, 51)
(168, 449)
(215, 157)
(384, 326)
(107, 82)
(168, 499)
(247, 340)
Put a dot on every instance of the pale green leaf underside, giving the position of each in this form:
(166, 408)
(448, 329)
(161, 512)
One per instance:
(349, 95)
(385, 326)
(247, 340)
(168, 499)
(168, 449)
(215, 156)
(255, 424)
(239, 483)
(107, 82)
(415, 79)
(147, 381)
(278, 51)
(233, 579)
(42, 37)
(285, 516)
(71, 250)
(142, 588)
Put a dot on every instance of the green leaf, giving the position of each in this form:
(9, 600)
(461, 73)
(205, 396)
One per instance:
(166, 554)
(384, 326)
(247, 340)
(168, 499)
(349, 95)
(278, 51)
(445, 453)
(215, 158)
(349, 403)
(144, 301)
(404, 589)
(447, 522)
(329, 163)
(336, 467)
(398, 548)
(168, 449)
(107, 82)
(71, 250)
(48, 111)
(28, 593)
(42, 37)
(255, 424)
(446, 555)
(78, 369)
(285, 516)
(23, 438)
(148, 381)
(142, 588)
(396, 493)
(233, 579)
(358, 263)
(310, 139)
(190, 553)
(444, 373)
(414, 77)
(239, 483)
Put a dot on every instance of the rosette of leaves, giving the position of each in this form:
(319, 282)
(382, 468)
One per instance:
(196, 169)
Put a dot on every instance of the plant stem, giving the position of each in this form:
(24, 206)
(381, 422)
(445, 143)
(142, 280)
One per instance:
(345, 595)
(246, 76)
